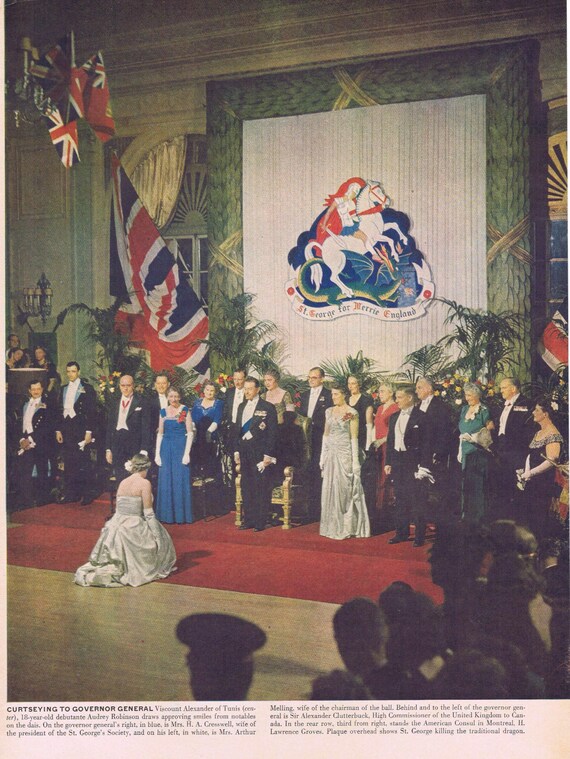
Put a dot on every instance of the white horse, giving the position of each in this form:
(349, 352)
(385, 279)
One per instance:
(370, 231)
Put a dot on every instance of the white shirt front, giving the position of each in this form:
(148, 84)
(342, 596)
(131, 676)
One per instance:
(505, 413)
(163, 400)
(248, 410)
(27, 426)
(238, 400)
(424, 405)
(313, 398)
(400, 429)
(124, 406)
(70, 393)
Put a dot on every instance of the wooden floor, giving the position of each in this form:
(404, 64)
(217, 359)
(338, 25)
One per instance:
(67, 643)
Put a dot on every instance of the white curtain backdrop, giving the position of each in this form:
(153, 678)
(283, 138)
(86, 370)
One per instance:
(430, 158)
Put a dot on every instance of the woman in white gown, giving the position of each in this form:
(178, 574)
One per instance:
(343, 509)
(133, 548)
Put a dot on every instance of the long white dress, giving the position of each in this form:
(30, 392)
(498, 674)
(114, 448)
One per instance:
(133, 549)
(343, 508)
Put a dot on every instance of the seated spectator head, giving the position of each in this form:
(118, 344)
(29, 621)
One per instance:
(457, 555)
(521, 683)
(394, 599)
(14, 357)
(161, 383)
(470, 674)
(220, 656)
(416, 632)
(339, 685)
(26, 359)
(361, 633)
(13, 341)
(549, 552)
(40, 354)
(507, 537)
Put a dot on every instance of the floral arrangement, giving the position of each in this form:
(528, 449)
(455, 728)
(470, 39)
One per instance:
(107, 385)
(451, 390)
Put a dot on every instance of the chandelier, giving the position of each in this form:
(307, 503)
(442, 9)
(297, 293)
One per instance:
(37, 301)
(32, 101)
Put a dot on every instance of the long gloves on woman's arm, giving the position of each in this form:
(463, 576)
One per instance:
(157, 459)
(189, 439)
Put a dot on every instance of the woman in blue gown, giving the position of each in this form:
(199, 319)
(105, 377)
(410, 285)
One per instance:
(172, 456)
(207, 416)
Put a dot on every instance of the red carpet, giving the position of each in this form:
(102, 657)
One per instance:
(295, 563)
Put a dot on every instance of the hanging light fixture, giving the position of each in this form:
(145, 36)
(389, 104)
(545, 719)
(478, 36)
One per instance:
(37, 301)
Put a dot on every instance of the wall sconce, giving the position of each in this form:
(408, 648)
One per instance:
(37, 301)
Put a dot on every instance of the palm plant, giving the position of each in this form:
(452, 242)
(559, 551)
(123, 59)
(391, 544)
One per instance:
(484, 341)
(113, 346)
(358, 366)
(428, 361)
(240, 340)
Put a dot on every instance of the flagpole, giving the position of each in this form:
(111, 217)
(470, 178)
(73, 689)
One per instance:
(72, 66)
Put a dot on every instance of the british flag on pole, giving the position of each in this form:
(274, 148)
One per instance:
(64, 137)
(164, 313)
(96, 98)
(60, 80)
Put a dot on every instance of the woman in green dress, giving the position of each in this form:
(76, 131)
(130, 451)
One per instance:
(472, 455)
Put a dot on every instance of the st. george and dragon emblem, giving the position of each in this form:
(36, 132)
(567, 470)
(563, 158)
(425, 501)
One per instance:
(358, 257)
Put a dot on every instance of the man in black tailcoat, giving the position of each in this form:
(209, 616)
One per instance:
(35, 445)
(407, 449)
(512, 428)
(234, 397)
(254, 451)
(440, 440)
(158, 400)
(128, 428)
(314, 403)
(76, 420)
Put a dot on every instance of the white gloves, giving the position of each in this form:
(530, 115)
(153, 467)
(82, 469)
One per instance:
(424, 474)
(369, 435)
(157, 459)
(186, 456)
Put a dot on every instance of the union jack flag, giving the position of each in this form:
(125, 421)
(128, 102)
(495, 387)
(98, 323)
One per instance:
(60, 80)
(64, 137)
(164, 313)
(97, 98)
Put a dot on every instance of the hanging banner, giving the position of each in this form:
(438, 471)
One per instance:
(358, 257)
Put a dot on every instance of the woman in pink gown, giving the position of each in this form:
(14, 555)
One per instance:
(387, 407)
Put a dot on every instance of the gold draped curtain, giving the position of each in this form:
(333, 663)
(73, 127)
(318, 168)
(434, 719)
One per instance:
(158, 178)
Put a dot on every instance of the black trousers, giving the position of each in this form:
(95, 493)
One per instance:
(123, 448)
(33, 489)
(410, 504)
(76, 462)
(256, 488)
